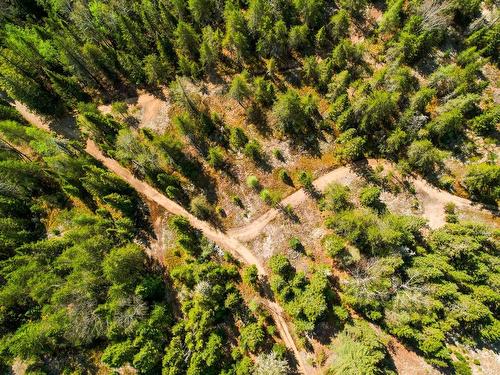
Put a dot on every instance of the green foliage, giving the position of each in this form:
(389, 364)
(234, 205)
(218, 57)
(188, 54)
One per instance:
(336, 198)
(210, 48)
(263, 91)
(270, 364)
(295, 244)
(252, 337)
(253, 150)
(63, 293)
(346, 55)
(200, 207)
(370, 197)
(391, 19)
(157, 70)
(305, 299)
(124, 265)
(333, 244)
(237, 138)
(350, 147)
(359, 350)
(280, 265)
(250, 275)
(295, 115)
(239, 89)
(485, 39)
(306, 180)
(285, 177)
(339, 25)
(424, 157)
(216, 157)
(186, 39)
(269, 197)
(298, 37)
(486, 122)
(253, 182)
(377, 111)
(483, 181)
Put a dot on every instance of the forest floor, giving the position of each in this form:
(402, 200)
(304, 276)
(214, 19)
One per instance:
(432, 201)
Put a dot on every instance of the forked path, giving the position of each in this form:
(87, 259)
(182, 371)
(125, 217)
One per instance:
(431, 199)
(231, 244)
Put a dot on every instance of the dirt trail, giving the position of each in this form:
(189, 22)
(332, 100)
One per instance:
(432, 201)
(226, 242)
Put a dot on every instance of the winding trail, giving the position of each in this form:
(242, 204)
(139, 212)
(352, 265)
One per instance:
(231, 244)
(432, 201)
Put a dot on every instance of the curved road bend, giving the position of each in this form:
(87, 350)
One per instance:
(215, 235)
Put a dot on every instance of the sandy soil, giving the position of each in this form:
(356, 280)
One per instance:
(148, 110)
(432, 201)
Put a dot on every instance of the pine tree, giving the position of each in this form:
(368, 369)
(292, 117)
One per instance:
(210, 48)
(186, 40)
(237, 34)
(68, 89)
(239, 89)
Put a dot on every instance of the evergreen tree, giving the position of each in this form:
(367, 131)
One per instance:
(186, 40)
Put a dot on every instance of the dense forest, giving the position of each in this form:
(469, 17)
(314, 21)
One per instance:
(263, 97)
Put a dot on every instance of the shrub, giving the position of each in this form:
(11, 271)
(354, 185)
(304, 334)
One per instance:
(305, 179)
(333, 244)
(239, 89)
(285, 177)
(336, 198)
(350, 147)
(370, 197)
(346, 55)
(298, 37)
(483, 182)
(266, 364)
(278, 154)
(269, 197)
(253, 182)
(216, 157)
(252, 337)
(424, 157)
(237, 200)
(446, 126)
(237, 138)
(295, 244)
(251, 275)
(264, 92)
(200, 207)
(486, 122)
(119, 108)
(450, 212)
(359, 350)
(280, 265)
(294, 115)
(253, 150)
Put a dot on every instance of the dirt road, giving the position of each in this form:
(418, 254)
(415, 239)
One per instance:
(432, 201)
(226, 242)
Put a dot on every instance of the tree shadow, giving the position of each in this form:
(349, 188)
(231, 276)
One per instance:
(289, 213)
(312, 192)
(229, 171)
(142, 221)
(257, 117)
(262, 161)
(67, 127)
